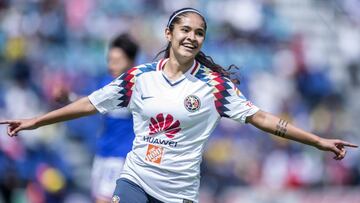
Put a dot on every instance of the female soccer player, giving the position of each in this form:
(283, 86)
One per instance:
(176, 103)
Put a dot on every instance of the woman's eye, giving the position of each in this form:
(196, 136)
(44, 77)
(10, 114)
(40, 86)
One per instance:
(200, 34)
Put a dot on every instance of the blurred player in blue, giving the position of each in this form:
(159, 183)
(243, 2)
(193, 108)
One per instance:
(117, 133)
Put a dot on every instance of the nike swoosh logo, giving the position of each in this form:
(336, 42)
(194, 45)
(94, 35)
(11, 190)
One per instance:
(143, 98)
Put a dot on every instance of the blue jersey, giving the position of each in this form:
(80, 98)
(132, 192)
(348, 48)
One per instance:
(117, 133)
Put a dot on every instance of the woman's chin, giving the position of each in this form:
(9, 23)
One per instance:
(188, 54)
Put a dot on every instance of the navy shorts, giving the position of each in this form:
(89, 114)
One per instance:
(128, 192)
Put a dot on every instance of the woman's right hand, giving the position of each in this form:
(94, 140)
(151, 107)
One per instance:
(14, 126)
(77, 109)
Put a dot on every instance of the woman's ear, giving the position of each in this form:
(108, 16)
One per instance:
(168, 34)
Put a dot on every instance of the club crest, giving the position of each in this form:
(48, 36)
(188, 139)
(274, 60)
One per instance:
(192, 103)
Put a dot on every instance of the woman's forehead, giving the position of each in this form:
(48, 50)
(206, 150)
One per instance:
(191, 19)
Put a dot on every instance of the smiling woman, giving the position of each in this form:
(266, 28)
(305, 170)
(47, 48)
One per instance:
(186, 28)
(186, 36)
(176, 103)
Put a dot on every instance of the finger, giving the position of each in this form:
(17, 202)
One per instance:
(6, 122)
(348, 144)
(9, 122)
(340, 146)
(11, 128)
(15, 131)
(336, 151)
(8, 129)
(341, 155)
(338, 157)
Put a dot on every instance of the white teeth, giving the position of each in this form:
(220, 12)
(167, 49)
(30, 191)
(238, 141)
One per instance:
(189, 46)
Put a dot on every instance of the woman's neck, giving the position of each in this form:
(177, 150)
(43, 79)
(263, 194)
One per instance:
(174, 68)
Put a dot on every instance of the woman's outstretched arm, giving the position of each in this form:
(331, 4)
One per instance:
(277, 126)
(79, 108)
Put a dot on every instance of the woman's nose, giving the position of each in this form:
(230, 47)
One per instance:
(191, 36)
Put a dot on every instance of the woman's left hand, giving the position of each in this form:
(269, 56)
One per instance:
(334, 145)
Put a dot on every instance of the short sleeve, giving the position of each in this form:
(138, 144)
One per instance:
(231, 103)
(116, 94)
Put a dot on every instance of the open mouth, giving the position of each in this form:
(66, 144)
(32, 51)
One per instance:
(190, 46)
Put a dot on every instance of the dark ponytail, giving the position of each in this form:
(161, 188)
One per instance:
(207, 61)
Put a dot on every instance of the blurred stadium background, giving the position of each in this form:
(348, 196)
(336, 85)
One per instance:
(297, 59)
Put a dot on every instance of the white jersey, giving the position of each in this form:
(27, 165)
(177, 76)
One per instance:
(172, 122)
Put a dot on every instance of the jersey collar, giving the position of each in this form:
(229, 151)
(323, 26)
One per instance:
(192, 71)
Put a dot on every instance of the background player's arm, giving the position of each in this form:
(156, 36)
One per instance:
(277, 126)
(79, 108)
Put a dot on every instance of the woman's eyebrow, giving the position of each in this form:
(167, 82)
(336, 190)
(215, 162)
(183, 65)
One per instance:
(187, 26)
